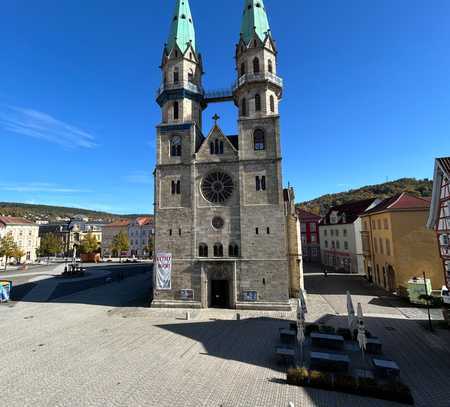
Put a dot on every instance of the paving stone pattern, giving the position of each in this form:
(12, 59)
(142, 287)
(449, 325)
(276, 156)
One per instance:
(87, 350)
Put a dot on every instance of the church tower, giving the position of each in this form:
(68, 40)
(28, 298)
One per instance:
(219, 208)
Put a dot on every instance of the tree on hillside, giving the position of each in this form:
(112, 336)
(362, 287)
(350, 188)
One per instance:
(89, 244)
(8, 247)
(120, 244)
(51, 245)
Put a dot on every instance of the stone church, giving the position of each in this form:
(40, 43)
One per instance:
(220, 208)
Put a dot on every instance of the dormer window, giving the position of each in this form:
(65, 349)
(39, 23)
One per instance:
(183, 16)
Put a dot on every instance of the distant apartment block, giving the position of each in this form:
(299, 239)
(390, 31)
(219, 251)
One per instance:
(25, 235)
(140, 232)
(109, 232)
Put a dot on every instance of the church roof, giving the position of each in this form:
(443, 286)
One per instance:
(254, 20)
(182, 31)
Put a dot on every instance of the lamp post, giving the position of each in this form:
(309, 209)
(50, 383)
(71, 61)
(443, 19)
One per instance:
(430, 325)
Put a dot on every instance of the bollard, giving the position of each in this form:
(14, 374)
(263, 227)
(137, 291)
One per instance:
(188, 316)
(238, 317)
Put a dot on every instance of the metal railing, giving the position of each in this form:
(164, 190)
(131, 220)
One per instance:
(180, 85)
(255, 77)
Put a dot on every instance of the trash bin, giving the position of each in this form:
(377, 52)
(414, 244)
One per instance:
(5, 290)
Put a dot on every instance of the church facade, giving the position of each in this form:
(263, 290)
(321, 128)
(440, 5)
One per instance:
(220, 207)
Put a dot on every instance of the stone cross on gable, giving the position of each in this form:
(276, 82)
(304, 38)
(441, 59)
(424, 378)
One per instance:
(215, 118)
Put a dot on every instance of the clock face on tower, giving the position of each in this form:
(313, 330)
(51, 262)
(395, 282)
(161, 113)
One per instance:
(217, 187)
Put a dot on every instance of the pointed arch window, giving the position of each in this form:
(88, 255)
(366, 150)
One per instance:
(176, 73)
(203, 250)
(216, 147)
(218, 250)
(257, 103)
(233, 250)
(191, 75)
(176, 110)
(272, 104)
(270, 66)
(243, 70)
(259, 139)
(256, 65)
(244, 107)
(175, 147)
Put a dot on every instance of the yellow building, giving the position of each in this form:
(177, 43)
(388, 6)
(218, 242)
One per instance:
(397, 246)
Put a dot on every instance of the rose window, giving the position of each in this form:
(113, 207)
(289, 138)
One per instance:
(217, 187)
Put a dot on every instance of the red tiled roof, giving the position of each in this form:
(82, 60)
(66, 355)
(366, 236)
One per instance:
(352, 211)
(117, 224)
(144, 220)
(401, 201)
(10, 220)
(307, 216)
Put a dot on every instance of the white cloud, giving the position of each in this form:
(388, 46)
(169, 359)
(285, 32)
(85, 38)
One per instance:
(42, 126)
(139, 177)
(39, 187)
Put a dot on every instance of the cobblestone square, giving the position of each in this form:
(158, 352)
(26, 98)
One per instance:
(87, 349)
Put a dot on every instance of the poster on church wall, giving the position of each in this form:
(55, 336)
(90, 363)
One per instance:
(163, 271)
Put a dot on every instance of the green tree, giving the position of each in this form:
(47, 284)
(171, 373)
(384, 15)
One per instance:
(18, 254)
(150, 246)
(120, 243)
(8, 247)
(51, 245)
(89, 244)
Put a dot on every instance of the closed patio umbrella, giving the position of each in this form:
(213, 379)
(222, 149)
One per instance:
(301, 311)
(352, 322)
(362, 339)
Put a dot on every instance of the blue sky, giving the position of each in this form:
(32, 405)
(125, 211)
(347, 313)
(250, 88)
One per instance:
(367, 93)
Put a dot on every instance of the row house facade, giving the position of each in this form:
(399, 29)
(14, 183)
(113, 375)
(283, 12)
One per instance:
(109, 232)
(140, 233)
(397, 246)
(25, 235)
(340, 236)
(309, 227)
(439, 216)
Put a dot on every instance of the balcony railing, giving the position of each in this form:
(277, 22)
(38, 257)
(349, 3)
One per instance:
(180, 85)
(257, 77)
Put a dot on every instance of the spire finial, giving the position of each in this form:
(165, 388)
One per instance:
(216, 117)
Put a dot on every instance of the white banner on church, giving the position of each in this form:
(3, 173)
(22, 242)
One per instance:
(163, 271)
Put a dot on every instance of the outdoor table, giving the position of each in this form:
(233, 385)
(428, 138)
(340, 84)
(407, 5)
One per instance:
(374, 346)
(288, 337)
(333, 362)
(327, 340)
(386, 368)
(287, 354)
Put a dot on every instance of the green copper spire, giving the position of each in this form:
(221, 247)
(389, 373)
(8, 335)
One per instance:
(182, 29)
(254, 19)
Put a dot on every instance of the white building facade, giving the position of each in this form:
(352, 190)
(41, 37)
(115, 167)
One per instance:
(25, 235)
(340, 237)
(140, 232)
